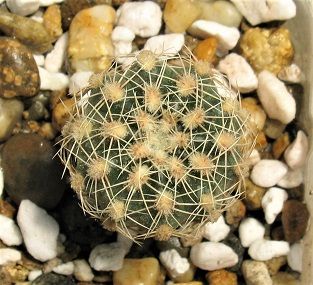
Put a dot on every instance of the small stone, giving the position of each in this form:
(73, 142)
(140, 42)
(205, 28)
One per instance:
(206, 50)
(284, 278)
(221, 277)
(227, 36)
(235, 213)
(234, 243)
(250, 230)
(256, 273)
(45, 3)
(65, 268)
(261, 142)
(79, 80)
(38, 16)
(295, 257)
(52, 80)
(294, 218)
(292, 179)
(272, 203)
(138, 271)
(222, 12)
(262, 11)
(274, 129)
(8, 255)
(216, 231)
(254, 157)
(10, 113)
(23, 7)
(40, 59)
(296, 154)
(241, 75)
(34, 274)
(280, 145)
(122, 38)
(180, 14)
(254, 195)
(55, 59)
(277, 102)
(262, 249)
(90, 46)
(169, 44)
(52, 21)
(9, 232)
(275, 263)
(29, 32)
(82, 270)
(13, 273)
(53, 279)
(291, 74)
(268, 172)
(47, 131)
(26, 154)
(6, 209)
(39, 231)
(256, 113)
(188, 276)
(213, 256)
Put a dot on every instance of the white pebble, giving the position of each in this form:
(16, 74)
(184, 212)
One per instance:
(291, 73)
(55, 58)
(51, 80)
(294, 257)
(174, 263)
(8, 255)
(273, 202)
(82, 270)
(239, 72)
(107, 257)
(39, 230)
(40, 59)
(122, 38)
(124, 242)
(296, 153)
(254, 157)
(45, 3)
(23, 7)
(227, 36)
(216, 231)
(64, 269)
(79, 80)
(213, 256)
(263, 250)
(250, 230)
(38, 16)
(1, 181)
(293, 178)
(143, 18)
(261, 11)
(277, 102)
(268, 172)
(169, 44)
(32, 275)
(9, 232)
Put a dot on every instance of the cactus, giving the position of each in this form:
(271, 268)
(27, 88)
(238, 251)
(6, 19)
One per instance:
(157, 149)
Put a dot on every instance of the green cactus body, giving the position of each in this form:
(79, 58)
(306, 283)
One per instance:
(158, 149)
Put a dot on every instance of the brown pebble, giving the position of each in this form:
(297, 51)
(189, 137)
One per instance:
(13, 273)
(52, 21)
(6, 209)
(221, 277)
(274, 264)
(206, 49)
(235, 213)
(253, 195)
(295, 216)
(61, 113)
(261, 141)
(280, 145)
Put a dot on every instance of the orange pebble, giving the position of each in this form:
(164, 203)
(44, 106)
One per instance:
(205, 50)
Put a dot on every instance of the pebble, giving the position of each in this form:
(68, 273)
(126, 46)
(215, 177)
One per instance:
(275, 264)
(227, 36)
(250, 230)
(18, 73)
(274, 129)
(277, 102)
(107, 257)
(291, 74)
(233, 242)
(61, 112)
(272, 203)
(39, 230)
(213, 256)
(221, 277)
(54, 60)
(82, 270)
(90, 46)
(240, 73)
(122, 38)
(6, 209)
(145, 271)
(263, 249)
(174, 263)
(261, 11)
(45, 3)
(180, 14)
(26, 154)
(254, 195)
(40, 59)
(256, 273)
(284, 278)
(23, 7)
(33, 274)
(206, 50)
(268, 172)
(8, 255)
(295, 216)
(65, 268)
(38, 16)
(295, 256)
(143, 18)
(9, 232)
(52, 21)
(26, 30)
(222, 12)
(292, 179)
(52, 80)
(256, 113)
(53, 279)
(169, 44)
(254, 157)
(296, 153)
(280, 145)
(216, 231)
(235, 213)
(267, 49)
(10, 113)
(78, 81)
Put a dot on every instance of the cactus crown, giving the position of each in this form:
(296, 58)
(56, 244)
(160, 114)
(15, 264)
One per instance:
(157, 149)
